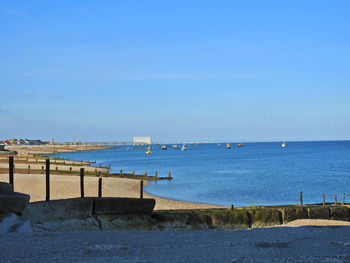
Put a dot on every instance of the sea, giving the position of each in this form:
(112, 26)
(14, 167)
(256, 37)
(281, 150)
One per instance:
(256, 174)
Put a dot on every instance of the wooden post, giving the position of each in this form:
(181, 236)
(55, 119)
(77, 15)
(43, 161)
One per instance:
(133, 173)
(335, 199)
(145, 173)
(343, 202)
(156, 175)
(232, 207)
(301, 199)
(82, 182)
(141, 189)
(99, 187)
(323, 200)
(121, 172)
(47, 179)
(169, 176)
(11, 170)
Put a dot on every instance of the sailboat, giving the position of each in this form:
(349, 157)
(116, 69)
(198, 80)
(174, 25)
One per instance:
(283, 144)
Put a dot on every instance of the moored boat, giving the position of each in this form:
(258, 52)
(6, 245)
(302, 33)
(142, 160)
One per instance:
(283, 144)
(228, 146)
(240, 145)
(164, 147)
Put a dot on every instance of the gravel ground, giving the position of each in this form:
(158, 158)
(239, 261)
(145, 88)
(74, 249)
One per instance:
(302, 244)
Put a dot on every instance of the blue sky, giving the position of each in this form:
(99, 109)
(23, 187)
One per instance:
(175, 70)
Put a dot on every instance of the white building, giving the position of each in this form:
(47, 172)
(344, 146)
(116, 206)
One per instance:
(142, 140)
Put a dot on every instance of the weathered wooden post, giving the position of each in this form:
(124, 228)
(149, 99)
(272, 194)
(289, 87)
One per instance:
(145, 173)
(301, 199)
(169, 176)
(121, 172)
(335, 199)
(11, 170)
(99, 187)
(133, 173)
(156, 175)
(343, 202)
(232, 207)
(141, 189)
(323, 200)
(82, 182)
(28, 169)
(70, 169)
(47, 179)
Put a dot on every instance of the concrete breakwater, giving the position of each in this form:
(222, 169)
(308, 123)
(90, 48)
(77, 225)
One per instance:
(83, 215)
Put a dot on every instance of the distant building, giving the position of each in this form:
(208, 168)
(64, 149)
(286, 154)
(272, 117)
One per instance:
(22, 142)
(2, 147)
(33, 142)
(142, 140)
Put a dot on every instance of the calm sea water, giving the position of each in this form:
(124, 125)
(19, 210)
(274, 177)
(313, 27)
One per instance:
(256, 174)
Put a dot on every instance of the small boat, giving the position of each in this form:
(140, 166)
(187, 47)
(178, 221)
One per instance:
(148, 152)
(183, 148)
(228, 146)
(164, 147)
(175, 147)
(240, 145)
(283, 144)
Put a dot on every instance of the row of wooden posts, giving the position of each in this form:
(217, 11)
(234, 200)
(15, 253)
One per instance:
(146, 174)
(78, 163)
(82, 173)
(324, 199)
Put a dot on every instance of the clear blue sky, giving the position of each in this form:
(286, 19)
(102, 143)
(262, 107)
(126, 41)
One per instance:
(175, 70)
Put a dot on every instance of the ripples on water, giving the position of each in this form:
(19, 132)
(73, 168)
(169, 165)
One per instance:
(256, 174)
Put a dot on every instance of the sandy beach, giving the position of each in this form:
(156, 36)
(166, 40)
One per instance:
(49, 149)
(63, 186)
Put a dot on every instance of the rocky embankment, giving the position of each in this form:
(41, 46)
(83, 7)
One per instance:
(12, 205)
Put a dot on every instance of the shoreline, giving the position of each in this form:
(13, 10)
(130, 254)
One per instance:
(52, 149)
(65, 186)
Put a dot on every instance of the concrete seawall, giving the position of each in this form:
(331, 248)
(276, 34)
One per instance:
(108, 214)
